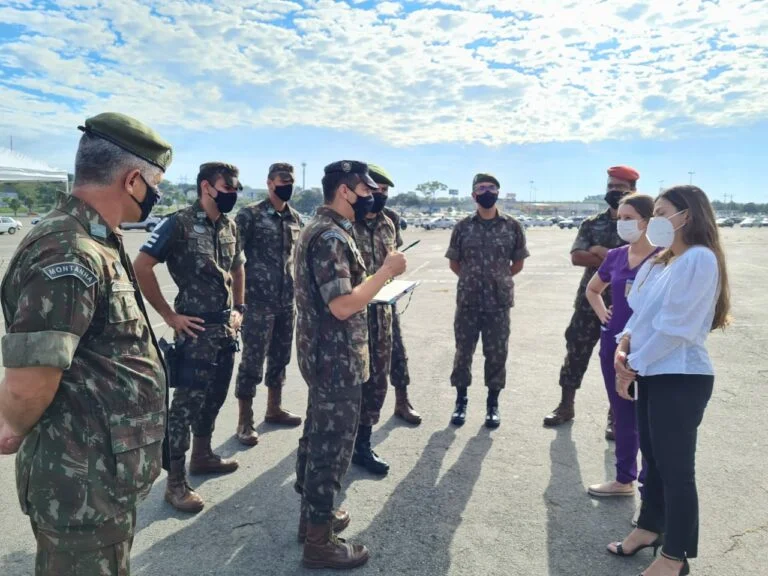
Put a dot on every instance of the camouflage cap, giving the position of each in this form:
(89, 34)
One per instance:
(132, 136)
(283, 168)
(485, 177)
(352, 167)
(230, 173)
(380, 176)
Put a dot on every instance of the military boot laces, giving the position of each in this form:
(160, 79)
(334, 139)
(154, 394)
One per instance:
(204, 461)
(178, 493)
(323, 549)
(565, 411)
(365, 456)
(246, 434)
(403, 408)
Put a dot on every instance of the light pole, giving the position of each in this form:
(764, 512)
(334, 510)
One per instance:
(661, 185)
(690, 174)
(303, 175)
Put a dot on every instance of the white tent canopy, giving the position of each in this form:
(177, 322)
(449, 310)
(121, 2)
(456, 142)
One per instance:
(15, 167)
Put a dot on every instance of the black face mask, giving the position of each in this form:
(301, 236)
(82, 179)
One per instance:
(613, 197)
(152, 197)
(487, 199)
(225, 201)
(362, 206)
(379, 201)
(284, 192)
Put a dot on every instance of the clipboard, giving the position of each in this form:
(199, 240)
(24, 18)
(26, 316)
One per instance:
(393, 291)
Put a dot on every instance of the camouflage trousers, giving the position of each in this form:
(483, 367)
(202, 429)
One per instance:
(468, 325)
(399, 376)
(72, 553)
(380, 352)
(201, 392)
(326, 445)
(581, 337)
(266, 336)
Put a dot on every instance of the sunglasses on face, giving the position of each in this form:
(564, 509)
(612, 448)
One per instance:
(486, 188)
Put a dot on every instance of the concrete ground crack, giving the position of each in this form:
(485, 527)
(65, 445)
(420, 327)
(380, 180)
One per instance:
(736, 538)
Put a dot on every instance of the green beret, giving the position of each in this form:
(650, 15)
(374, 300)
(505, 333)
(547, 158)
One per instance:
(132, 136)
(380, 176)
(485, 177)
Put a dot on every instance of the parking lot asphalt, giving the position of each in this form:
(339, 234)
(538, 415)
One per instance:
(469, 501)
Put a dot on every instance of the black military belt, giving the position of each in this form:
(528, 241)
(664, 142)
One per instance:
(212, 317)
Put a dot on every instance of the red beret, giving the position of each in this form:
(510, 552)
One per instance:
(624, 173)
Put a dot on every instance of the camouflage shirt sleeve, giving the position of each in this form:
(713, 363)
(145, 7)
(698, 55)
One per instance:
(244, 221)
(454, 247)
(57, 296)
(398, 236)
(239, 258)
(520, 249)
(584, 237)
(329, 261)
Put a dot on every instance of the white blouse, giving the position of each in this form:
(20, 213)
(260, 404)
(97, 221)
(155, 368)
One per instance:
(673, 307)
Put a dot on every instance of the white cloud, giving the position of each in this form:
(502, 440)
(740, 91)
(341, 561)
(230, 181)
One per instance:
(491, 71)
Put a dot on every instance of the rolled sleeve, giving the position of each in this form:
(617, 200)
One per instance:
(330, 263)
(238, 260)
(454, 248)
(51, 348)
(335, 288)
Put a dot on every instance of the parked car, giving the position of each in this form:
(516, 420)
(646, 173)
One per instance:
(749, 223)
(8, 224)
(441, 223)
(569, 223)
(36, 219)
(403, 223)
(149, 224)
(763, 223)
(725, 222)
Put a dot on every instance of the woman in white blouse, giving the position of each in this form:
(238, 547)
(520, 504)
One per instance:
(676, 299)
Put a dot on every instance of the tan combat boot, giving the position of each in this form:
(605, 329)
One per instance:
(204, 461)
(275, 413)
(564, 411)
(246, 433)
(323, 549)
(339, 521)
(403, 408)
(178, 493)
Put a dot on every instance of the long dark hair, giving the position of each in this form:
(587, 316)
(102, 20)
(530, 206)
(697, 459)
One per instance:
(701, 230)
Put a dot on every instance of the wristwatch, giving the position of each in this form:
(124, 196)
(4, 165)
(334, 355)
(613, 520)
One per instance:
(240, 308)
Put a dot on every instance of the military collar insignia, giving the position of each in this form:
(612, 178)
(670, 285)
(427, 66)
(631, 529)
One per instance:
(98, 230)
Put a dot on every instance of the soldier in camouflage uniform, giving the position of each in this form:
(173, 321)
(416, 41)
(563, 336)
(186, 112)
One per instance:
(375, 236)
(202, 249)
(332, 294)
(596, 236)
(486, 251)
(269, 231)
(398, 371)
(84, 386)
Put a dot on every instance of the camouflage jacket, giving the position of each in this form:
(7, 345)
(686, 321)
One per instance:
(597, 230)
(200, 255)
(71, 301)
(395, 217)
(329, 265)
(269, 240)
(486, 250)
(375, 238)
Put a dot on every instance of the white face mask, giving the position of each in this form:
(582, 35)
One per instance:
(661, 231)
(629, 231)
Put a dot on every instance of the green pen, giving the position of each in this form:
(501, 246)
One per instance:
(410, 245)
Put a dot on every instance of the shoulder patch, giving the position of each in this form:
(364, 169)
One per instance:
(333, 234)
(55, 271)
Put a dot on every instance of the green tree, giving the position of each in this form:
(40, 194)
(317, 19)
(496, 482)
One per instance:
(430, 190)
(750, 208)
(14, 204)
(407, 200)
(28, 198)
(307, 201)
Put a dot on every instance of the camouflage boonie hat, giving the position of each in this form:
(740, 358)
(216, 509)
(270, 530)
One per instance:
(485, 177)
(380, 176)
(132, 136)
(231, 173)
(352, 167)
(282, 169)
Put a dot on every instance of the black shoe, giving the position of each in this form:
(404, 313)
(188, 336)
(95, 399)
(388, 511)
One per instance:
(493, 418)
(609, 430)
(369, 460)
(460, 412)
(656, 544)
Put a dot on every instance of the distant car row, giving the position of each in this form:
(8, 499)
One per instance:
(742, 222)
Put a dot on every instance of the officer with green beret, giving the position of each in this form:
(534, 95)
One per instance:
(399, 377)
(83, 396)
(487, 250)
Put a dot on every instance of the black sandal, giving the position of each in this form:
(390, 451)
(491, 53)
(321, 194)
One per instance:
(656, 544)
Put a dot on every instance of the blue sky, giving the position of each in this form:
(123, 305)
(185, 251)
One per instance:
(552, 91)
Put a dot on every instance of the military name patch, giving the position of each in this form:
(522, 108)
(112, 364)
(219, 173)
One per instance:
(79, 271)
(334, 234)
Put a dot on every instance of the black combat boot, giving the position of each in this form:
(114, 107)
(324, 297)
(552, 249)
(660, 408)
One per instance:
(460, 412)
(492, 416)
(364, 456)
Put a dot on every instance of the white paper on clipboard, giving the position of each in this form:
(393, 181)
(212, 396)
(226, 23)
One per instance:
(393, 291)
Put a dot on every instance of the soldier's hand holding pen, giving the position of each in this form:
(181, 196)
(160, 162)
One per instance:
(188, 325)
(395, 263)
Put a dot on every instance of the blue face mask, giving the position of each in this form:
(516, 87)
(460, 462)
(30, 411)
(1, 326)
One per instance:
(362, 206)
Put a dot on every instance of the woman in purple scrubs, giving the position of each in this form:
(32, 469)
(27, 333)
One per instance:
(618, 271)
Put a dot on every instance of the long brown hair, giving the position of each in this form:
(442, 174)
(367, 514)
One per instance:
(701, 230)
